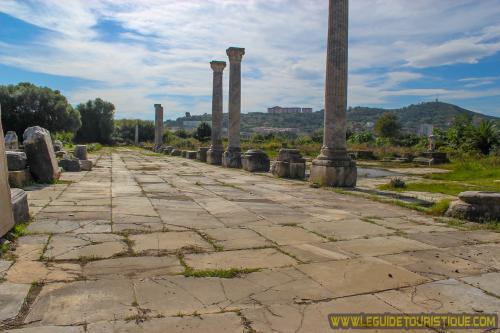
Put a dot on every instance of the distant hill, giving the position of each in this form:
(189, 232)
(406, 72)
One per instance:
(438, 114)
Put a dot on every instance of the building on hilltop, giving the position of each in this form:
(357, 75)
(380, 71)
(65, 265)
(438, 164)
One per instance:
(279, 109)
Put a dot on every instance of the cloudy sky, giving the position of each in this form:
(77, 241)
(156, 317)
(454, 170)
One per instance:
(137, 53)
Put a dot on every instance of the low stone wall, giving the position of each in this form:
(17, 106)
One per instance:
(476, 206)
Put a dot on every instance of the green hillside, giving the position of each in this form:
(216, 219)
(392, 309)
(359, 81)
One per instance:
(438, 114)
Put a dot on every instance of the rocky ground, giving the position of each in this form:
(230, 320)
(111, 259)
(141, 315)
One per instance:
(155, 244)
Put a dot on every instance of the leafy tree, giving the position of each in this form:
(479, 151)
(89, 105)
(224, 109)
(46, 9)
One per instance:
(97, 121)
(387, 126)
(181, 133)
(125, 129)
(203, 132)
(362, 137)
(25, 105)
(317, 136)
(460, 132)
(485, 136)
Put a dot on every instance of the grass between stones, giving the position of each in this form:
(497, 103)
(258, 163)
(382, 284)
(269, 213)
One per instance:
(450, 188)
(220, 273)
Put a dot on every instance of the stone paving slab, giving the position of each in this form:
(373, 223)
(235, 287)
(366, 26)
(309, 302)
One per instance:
(251, 259)
(108, 252)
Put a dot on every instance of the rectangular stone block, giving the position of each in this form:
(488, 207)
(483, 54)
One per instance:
(20, 207)
(6, 216)
(19, 178)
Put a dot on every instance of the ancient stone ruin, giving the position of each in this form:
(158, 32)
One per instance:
(289, 164)
(19, 173)
(158, 127)
(214, 154)
(476, 206)
(201, 155)
(11, 141)
(40, 152)
(7, 218)
(255, 160)
(333, 166)
(232, 156)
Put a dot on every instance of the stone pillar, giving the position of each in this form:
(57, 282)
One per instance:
(158, 126)
(334, 167)
(214, 154)
(6, 216)
(136, 137)
(232, 157)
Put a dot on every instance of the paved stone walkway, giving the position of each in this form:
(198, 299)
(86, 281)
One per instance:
(122, 249)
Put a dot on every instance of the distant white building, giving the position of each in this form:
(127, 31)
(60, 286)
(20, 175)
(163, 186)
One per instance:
(279, 109)
(425, 129)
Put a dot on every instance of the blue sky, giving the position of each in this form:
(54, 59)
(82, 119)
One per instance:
(138, 53)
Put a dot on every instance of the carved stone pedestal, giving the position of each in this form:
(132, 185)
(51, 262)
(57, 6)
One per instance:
(255, 160)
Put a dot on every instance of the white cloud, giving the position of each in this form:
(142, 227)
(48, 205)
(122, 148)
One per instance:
(164, 48)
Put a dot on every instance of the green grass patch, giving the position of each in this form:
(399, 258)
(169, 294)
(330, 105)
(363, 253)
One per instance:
(449, 188)
(220, 273)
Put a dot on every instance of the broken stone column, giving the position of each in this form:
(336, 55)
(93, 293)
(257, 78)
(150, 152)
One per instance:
(201, 155)
(477, 206)
(158, 126)
(333, 166)
(214, 154)
(19, 173)
(20, 208)
(232, 156)
(289, 164)
(40, 152)
(6, 216)
(255, 160)
(136, 136)
(81, 152)
(11, 141)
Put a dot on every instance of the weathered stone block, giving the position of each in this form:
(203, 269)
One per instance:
(19, 178)
(175, 152)
(16, 160)
(11, 141)
(337, 173)
(255, 160)
(183, 153)
(167, 149)
(289, 164)
(231, 158)
(476, 206)
(81, 152)
(70, 164)
(191, 154)
(40, 153)
(20, 208)
(6, 218)
(214, 157)
(61, 154)
(201, 155)
(86, 165)
(58, 145)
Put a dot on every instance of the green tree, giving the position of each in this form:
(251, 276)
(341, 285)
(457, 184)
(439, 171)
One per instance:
(97, 121)
(181, 133)
(387, 126)
(461, 131)
(485, 136)
(203, 132)
(25, 105)
(362, 137)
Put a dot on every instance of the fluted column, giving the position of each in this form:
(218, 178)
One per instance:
(158, 126)
(232, 157)
(6, 216)
(136, 136)
(333, 167)
(214, 154)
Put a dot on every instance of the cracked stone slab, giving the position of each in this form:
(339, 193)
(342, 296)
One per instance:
(488, 282)
(252, 259)
(169, 241)
(286, 235)
(315, 252)
(377, 246)
(485, 254)
(63, 226)
(442, 296)
(74, 247)
(444, 239)
(435, 264)
(213, 323)
(4, 266)
(49, 329)
(236, 238)
(349, 277)
(83, 301)
(12, 297)
(132, 267)
(30, 247)
(347, 229)
(35, 271)
(305, 318)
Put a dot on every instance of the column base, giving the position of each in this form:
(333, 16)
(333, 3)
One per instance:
(201, 155)
(336, 173)
(232, 158)
(214, 157)
(255, 160)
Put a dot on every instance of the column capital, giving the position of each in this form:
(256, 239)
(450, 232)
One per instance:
(235, 54)
(217, 66)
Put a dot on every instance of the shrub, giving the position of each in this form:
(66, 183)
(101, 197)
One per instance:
(397, 182)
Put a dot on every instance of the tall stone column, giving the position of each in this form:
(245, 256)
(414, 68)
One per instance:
(158, 126)
(136, 136)
(6, 215)
(232, 157)
(214, 154)
(334, 167)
